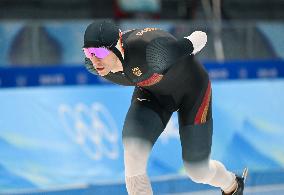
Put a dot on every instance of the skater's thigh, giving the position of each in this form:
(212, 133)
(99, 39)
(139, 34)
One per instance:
(196, 126)
(196, 141)
(145, 119)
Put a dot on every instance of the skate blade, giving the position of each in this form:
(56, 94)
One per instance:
(245, 174)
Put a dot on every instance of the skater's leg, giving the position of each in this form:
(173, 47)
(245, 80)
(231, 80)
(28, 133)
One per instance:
(213, 173)
(196, 128)
(136, 153)
(196, 147)
(144, 122)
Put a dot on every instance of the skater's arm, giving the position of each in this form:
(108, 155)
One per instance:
(198, 40)
(90, 67)
(163, 52)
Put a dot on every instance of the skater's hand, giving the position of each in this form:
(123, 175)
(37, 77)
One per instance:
(198, 40)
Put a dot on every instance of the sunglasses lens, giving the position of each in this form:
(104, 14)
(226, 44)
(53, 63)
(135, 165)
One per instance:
(87, 53)
(98, 52)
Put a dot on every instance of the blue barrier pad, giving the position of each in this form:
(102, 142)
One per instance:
(78, 75)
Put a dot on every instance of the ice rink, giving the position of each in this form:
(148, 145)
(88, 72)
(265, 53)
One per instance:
(255, 190)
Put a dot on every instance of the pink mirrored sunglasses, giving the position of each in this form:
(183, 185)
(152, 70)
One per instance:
(99, 52)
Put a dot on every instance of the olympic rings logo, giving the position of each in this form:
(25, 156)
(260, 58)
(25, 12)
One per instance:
(92, 127)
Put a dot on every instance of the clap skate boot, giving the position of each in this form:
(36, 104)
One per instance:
(240, 184)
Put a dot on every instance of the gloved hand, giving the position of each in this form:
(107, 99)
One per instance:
(198, 40)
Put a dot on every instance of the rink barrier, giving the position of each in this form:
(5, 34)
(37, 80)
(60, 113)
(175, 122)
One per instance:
(78, 75)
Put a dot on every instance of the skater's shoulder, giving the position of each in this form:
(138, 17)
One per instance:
(144, 35)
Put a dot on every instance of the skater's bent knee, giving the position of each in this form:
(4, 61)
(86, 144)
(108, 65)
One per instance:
(198, 172)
